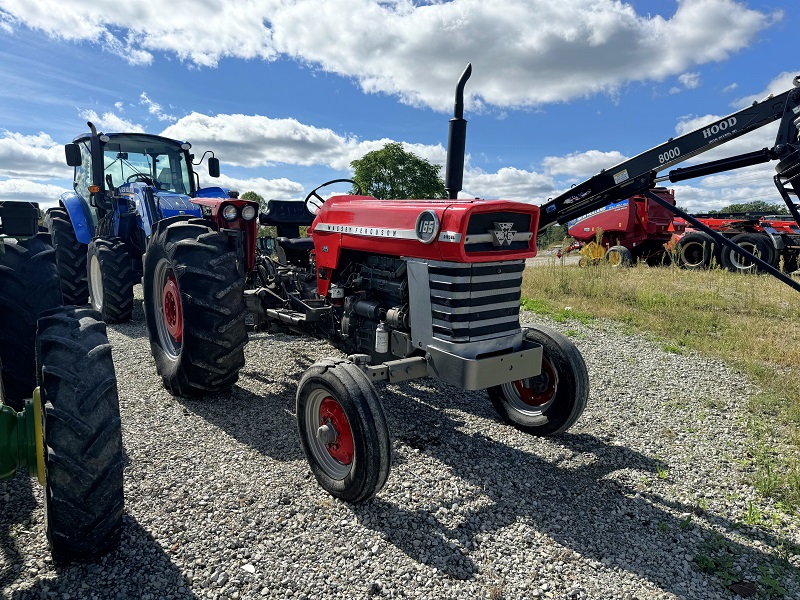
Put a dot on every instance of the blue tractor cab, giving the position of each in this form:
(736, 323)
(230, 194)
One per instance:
(123, 183)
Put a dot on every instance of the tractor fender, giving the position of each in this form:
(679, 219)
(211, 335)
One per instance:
(80, 215)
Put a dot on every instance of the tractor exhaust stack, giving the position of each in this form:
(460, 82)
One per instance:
(457, 141)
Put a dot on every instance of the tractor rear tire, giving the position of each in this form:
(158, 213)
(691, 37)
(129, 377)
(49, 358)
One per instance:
(696, 250)
(551, 402)
(343, 430)
(194, 307)
(82, 435)
(111, 279)
(70, 257)
(619, 256)
(29, 286)
(754, 243)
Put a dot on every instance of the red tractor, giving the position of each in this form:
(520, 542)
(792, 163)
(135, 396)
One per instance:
(405, 288)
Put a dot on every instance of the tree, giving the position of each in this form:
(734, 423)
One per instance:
(394, 173)
(262, 206)
(756, 206)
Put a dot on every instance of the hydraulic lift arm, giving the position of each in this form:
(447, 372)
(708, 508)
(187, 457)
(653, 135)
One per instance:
(638, 175)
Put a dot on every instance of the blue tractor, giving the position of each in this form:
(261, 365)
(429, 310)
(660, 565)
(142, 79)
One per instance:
(124, 183)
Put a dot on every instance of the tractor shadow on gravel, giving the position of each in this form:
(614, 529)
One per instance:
(264, 422)
(140, 566)
(586, 499)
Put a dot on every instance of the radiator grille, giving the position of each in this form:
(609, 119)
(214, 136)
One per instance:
(477, 301)
(480, 224)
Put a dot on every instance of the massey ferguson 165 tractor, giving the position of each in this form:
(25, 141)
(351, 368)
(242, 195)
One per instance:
(57, 371)
(405, 289)
(124, 183)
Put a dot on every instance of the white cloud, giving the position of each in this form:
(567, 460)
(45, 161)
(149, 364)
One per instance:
(46, 195)
(552, 52)
(32, 157)
(266, 188)
(255, 140)
(508, 184)
(581, 165)
(689, 80)
(110, 123)
(730, 88)
(154, 108)
(781, 83)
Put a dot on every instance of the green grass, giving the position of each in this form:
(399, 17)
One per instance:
(750, 321)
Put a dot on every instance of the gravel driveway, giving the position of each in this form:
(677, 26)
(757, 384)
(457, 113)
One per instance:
(645, 493)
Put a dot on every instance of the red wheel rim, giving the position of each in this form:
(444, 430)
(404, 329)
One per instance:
(331, 413)
(537, 391)
(173, 315)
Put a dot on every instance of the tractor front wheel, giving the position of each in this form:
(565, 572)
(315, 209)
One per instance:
(70, 257)
(111, 279)
(343, 430)
(194, 307)
(551, 402)
(82, 435)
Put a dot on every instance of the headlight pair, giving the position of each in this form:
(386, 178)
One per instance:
(230, 212)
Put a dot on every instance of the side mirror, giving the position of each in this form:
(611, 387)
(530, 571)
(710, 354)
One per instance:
(73, 154)
(213, 167)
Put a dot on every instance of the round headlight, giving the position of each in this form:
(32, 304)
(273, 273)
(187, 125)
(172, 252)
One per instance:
(249, 212)
(229, 212)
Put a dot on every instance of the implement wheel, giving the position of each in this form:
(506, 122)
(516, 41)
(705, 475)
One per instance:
(756, 244)
(619, 256)
(343, 430)
(696, 250)
(552, 401)
(111, 279)
(194, 307)
(29, 285)
(82, 435)
(70, 257)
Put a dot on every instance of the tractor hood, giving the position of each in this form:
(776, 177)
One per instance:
(170, 203)
(442, 230)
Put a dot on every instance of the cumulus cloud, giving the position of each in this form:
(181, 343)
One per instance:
(781, 83)
(266, 188)
(582, 165)
(32, 156)
(46, 195)
(550, 51)
(255, 140)
(508, 184)
(110, 123)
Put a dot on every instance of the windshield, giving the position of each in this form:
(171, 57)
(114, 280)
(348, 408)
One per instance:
(155, 162)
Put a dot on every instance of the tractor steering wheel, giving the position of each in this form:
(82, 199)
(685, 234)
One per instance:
(314, 201)
(139, 177)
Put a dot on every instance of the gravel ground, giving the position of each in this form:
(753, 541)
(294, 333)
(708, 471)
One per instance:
(647, 488)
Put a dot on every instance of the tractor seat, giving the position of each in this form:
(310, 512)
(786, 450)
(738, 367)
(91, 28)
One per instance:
(286, 212)
(304, 244)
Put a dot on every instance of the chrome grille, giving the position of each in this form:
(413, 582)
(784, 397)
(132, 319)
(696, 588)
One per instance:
(475, 301)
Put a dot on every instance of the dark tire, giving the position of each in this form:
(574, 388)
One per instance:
(111, 279)
(696, 250)
(82, 435)
(29, 286)
(194, 307)
(619, 256)
(343, 430)
(755, 243)
(70, 257)
(551, 402)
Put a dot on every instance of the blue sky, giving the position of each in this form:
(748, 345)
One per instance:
(288, 92)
